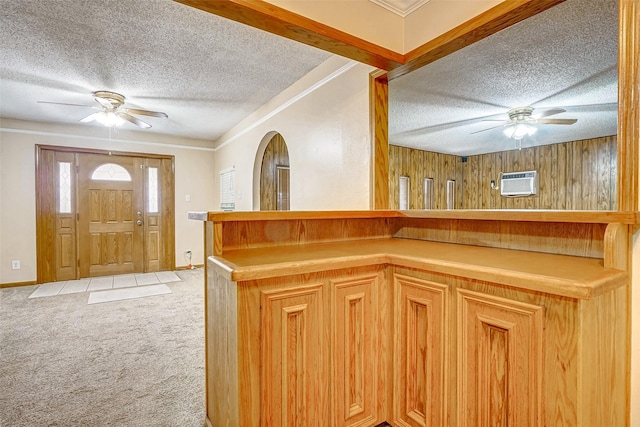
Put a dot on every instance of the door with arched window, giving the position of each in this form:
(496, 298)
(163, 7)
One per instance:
(111, 214)
(105, 214)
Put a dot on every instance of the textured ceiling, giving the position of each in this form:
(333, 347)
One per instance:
(564, 57)
(207, 73)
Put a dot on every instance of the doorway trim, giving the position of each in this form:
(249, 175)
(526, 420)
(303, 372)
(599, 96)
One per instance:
(46, 204)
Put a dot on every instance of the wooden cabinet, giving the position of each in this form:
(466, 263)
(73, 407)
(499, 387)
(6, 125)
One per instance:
(299, 350)
(292, 355)
(421, 343)
(357, 370)
(500, 357)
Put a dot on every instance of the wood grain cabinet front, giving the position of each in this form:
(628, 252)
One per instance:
(299, 350)
(357, 329)
(320, 350)
(421, 350)
(500, 358)
(292, 353)
(359, 346)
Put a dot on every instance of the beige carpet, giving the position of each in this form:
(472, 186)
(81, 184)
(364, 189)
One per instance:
(132, 362)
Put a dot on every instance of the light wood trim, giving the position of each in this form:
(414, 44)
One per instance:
(217, 238)
(617, 247)
(582, 217)
(594, 217)
(289, 215)
(168, 203)
(379, 121)
(629, 105)
(16, 284)
(276, 20)
(45, 215)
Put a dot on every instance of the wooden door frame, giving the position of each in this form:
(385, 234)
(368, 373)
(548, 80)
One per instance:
(46, 207)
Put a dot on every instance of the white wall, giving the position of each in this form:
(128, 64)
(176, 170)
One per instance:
(324, 119)
(194, 176)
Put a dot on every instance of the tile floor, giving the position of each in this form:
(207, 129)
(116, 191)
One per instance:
(104, 283)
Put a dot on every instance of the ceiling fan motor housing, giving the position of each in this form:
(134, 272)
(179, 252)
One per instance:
(520, 114)
(115, 99)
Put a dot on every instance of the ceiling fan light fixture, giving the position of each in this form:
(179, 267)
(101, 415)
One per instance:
(518, 131)
(109, 119)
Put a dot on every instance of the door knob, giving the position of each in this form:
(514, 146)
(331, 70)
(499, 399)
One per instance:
(139, 222)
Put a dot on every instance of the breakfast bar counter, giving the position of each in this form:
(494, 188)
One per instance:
(416, 318)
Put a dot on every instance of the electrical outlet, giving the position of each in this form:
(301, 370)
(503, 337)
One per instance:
(15, 264)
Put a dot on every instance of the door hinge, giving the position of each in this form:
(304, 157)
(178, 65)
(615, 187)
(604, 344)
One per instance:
(77, 217)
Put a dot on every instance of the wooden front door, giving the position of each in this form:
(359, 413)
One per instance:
(110, 214)
(102, 213)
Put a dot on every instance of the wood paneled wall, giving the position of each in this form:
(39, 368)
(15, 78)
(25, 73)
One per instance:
(276, 154)
(577, 175)
(418, 165)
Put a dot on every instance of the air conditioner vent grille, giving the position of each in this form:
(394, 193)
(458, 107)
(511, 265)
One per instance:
(517, 184)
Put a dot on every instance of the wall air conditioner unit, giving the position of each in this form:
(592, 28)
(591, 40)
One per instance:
(518, 184)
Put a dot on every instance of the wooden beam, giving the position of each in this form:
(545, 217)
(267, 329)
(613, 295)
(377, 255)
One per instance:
(487, 23)
(379, 118)
(628, 105)
(276, 20)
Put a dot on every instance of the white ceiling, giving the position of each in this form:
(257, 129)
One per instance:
(564, 57)
(207, 73)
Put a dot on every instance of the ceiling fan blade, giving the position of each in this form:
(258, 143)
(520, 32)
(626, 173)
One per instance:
(64, 103)
(89, 118)
(551, 112)
(492, 127)
(145, 112)
(557, 121)
(135, 121)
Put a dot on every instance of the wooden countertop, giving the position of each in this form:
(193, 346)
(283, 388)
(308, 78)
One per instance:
(604, 217)
(570, 276)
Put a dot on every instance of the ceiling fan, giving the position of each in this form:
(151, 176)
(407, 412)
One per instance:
(111, 112)
(521, 122)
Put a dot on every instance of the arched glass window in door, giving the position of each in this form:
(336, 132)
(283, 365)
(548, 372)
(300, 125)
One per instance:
(110, 172)
(274, 176)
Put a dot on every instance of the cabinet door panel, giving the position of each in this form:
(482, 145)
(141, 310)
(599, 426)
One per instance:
(355, 355)
(420, 368)
(500, 357)
(293, 357)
